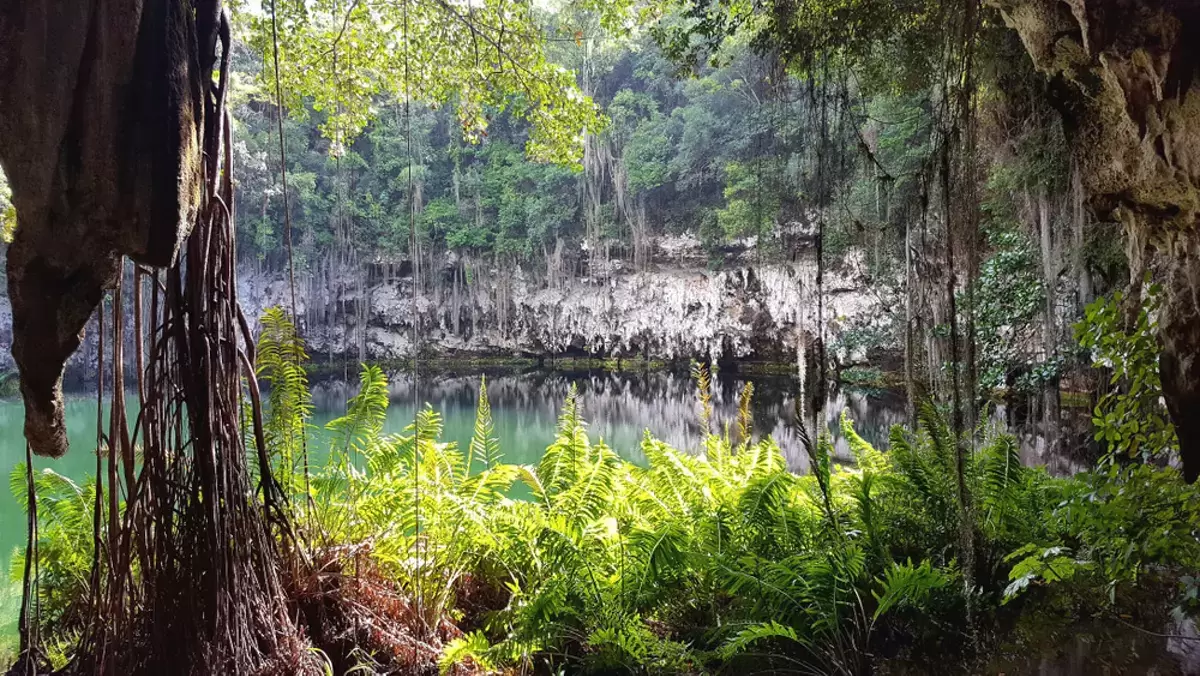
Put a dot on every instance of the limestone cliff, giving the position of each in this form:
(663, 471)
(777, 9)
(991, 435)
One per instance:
(678, 308)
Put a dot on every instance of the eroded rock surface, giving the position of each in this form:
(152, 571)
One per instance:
(1124, 76)
(677, 309)
(99, 137)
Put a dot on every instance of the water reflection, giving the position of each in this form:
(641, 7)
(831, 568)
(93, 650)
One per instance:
(619, 407)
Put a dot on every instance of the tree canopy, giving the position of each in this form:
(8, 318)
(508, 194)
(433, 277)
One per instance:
(348, 58)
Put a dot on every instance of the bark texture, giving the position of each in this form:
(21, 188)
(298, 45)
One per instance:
(100, 138)
(1123, 73)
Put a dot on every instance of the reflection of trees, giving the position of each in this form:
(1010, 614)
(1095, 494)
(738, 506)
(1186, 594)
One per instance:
(620, 406)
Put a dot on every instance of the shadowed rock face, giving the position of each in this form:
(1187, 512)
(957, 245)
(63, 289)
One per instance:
(1124, 74)
(99, 136)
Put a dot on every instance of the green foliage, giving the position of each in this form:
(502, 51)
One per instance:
(1008, 299)
(8, 213)
(682, 563)
(862, 376)
(750, 209)
(342, 56)
(690, 561)
(1130, 417)
(717, 155)
(907, 584)
(1112, 531)
(484, 448)
(64, 546)
(280, 360)
(10, 605)
(473, 646)
(1033, 563)
(703, 382)
(1132, 519)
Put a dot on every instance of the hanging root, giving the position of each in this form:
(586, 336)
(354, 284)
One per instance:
(185, 578)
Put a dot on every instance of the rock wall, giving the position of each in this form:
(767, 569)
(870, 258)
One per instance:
(676, 309)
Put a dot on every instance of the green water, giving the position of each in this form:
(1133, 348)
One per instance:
(525, 432)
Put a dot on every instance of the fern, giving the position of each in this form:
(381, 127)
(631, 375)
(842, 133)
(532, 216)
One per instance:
(745, 416)
(1000, 477)
(820, 455)
(662, 552)
(865, 454)
(473, 646)
(280, 359)
(484, 445)
(906, 584)
(763, 501)
(571, 418)
(608, 561)
(365, 416)
(757, 633)
(703, 382)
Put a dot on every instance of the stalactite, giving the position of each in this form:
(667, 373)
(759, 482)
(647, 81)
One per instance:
(456, 302)
(1049, 317)
(1083, 279)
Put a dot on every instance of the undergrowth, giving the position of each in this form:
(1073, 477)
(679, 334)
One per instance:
(409, 554)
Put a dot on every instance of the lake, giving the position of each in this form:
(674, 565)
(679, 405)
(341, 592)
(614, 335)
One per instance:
(525, 407)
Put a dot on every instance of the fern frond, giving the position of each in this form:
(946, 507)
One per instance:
(530, 477)
(941, 437)
(279, 362)
(745, 416)
(1000, 474)
(703, 381)
(905, 584)
(473, 646)
(484, 445)
(661, 550)
(571, 417)
(757, 633)
(365, 415)
(762, 503)
(864, 453)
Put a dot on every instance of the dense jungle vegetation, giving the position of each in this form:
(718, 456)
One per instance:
(913, 139)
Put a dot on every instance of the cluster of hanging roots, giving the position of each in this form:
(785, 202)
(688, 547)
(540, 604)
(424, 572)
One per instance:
(184, 579)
